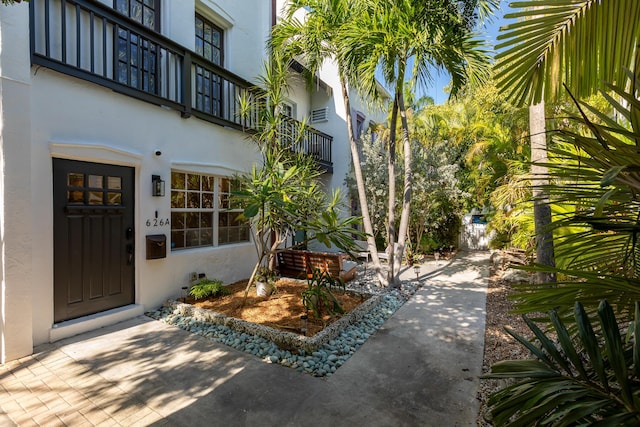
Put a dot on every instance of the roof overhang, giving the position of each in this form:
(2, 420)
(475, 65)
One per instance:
(317, 81)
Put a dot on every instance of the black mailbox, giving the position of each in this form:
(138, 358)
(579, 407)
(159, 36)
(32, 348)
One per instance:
(156, 246)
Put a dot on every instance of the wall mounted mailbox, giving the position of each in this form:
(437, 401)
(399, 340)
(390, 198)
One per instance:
(156, 246)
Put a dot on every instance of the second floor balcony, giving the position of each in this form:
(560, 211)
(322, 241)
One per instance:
(88, 40)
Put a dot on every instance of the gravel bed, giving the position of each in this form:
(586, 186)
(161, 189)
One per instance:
(321, 356)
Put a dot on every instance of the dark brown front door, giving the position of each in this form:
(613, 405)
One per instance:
(93, 238)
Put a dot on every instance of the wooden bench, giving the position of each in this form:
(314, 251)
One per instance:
(301, 264)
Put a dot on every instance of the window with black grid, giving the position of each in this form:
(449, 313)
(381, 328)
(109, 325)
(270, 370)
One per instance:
(209, 43)
(209, 40)
(202, 213)
(137, 57)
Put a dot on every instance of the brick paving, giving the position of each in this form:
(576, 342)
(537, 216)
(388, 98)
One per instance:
(49, 388)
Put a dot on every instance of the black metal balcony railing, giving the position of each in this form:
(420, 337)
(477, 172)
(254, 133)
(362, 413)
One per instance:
(311, 141)
(90, 41)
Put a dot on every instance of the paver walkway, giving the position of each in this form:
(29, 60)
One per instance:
(420, 369)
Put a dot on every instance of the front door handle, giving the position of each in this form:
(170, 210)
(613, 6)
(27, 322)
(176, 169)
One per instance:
(129, 254)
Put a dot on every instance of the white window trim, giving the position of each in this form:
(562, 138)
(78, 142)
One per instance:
(293, 106)
(215, 210)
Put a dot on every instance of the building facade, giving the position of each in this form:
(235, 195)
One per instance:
(121, 129)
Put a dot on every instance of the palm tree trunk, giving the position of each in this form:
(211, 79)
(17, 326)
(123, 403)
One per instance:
(391, 214)
(541, 208)
(408, 184)
(355, 156)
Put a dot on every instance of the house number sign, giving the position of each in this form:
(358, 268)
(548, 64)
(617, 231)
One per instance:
(155, 222)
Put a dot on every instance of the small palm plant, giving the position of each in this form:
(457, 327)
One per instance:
(591, 377)
(319, 297)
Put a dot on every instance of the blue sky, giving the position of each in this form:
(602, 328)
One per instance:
(491, 30)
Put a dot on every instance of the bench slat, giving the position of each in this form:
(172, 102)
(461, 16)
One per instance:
(299, 263)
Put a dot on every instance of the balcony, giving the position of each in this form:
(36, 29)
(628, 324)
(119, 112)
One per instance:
(88, 40)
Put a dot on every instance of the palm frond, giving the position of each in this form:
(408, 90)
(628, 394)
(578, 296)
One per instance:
(578, 380)
(581, 43)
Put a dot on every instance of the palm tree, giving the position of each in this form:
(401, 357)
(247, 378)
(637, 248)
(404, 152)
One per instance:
(579, 43)
(583, 375)
(389, 35)
(361, 35)
(315, 40)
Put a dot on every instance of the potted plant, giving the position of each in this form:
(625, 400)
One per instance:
(265, 281)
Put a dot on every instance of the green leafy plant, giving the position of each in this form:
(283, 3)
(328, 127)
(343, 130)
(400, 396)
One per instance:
(590, 377)
(318, 297)
(266, 275)
(594, 187)
(284, 194)
(208, 288)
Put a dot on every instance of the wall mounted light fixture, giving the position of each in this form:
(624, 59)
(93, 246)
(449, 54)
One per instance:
(157, 186)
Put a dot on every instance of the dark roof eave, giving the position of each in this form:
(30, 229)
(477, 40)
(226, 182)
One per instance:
(299, 68)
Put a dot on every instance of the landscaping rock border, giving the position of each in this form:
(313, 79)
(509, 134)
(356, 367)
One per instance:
(335, 347)
(282, 339)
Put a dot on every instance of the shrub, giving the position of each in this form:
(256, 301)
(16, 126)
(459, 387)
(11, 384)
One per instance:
(318, 296)
(208, 288)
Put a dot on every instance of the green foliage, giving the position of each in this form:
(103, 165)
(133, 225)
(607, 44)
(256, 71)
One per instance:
(280, 193)
(266, 275)
(594, 188)
(375, 176)
(319, 297)
(208, 288)
(470, 153)
(510, 217)
(437, 200)
(589, 377)
(581, 43)
(284, 194)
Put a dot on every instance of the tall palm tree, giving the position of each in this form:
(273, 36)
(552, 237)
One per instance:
(579, 43)
(361, 35)
(314, 41)
(586, 45)
(434, 35)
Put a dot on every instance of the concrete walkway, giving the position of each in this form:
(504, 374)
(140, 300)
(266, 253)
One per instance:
(420, 369)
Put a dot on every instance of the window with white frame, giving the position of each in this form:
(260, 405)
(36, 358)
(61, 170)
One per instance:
(202, 212)
(288, 109)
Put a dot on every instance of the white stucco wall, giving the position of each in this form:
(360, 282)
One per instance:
(46, 114)
(95, 124)
(16, 291)
(246, 24)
